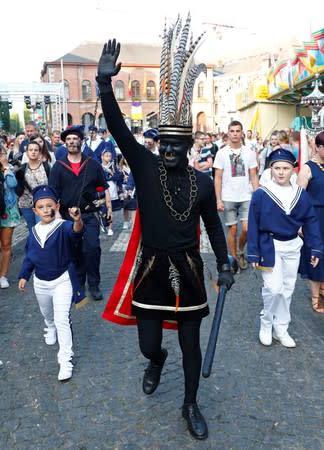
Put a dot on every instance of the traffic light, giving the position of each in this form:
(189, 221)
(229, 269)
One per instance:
(9, 105)
(47, 99)
(27, 101)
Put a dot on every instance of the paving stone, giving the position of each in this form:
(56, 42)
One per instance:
(256, 397)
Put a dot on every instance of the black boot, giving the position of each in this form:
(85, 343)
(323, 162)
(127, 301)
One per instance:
(96, 293)
(152, 374)
(195, 420)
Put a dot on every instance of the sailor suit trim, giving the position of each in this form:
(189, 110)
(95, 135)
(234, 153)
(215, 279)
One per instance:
(50, 256)
(270, 220)
(279, 202)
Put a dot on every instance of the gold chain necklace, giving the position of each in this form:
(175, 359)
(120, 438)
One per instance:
(318, 164)
(168, 197)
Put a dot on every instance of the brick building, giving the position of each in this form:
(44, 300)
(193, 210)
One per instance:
(136, 86)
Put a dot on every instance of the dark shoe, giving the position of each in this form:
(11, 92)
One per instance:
(195, 420)
(96, 293)
(234, 264)
(243, 264)
(152, 375)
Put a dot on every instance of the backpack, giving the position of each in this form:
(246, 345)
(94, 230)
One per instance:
(2, 200)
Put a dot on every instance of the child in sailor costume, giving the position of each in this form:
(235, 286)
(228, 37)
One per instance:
(277, 211)
(49, 252)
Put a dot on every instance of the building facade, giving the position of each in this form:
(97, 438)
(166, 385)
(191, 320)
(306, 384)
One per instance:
(136, 87)
(237, 89)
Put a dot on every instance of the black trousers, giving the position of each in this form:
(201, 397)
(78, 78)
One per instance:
(150, 341)
(89, 252)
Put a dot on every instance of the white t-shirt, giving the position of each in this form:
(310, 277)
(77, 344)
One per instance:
(235, 164)
(251, 144)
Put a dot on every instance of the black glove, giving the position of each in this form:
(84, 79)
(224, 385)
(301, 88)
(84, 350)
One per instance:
(107, 66)
(225, 277)
(86, 202)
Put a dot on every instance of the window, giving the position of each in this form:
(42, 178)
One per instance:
(66, 89)
(200, 89)
(136, 93)
(119, 90)
(87, 120)
(150, 90)
(86, 90)
(101, 121)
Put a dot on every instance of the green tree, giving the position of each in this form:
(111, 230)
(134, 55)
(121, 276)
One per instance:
(15, 124)
(4, 116)
(27, 115)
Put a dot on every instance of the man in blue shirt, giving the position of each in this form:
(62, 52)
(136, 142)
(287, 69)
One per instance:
(30, 129)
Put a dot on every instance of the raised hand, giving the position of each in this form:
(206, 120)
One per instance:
(75, 213)
(107, 66)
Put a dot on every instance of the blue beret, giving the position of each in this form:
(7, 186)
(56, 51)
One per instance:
(282, 154)
(44, 191)
(106, 150)
(75, 129)
(152, 133)
(102, 130)
(93, 128)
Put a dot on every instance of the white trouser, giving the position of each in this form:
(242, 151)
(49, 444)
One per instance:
(54, 299)
(279, 285)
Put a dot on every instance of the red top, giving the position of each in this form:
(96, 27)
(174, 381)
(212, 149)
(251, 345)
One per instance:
(75, 167)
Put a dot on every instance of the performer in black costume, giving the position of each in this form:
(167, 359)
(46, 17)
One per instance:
(169, 282)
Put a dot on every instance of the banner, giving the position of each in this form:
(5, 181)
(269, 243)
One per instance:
(136, 111)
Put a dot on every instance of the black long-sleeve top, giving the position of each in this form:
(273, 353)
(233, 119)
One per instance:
(72, 189)
(159, 229)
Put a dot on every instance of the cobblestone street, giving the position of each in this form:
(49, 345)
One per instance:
(256, 397)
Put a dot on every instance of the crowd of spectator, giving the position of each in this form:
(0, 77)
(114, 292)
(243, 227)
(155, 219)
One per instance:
(238, 162)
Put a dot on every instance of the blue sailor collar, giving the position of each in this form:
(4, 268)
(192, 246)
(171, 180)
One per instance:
(297, 190)
(56, 224)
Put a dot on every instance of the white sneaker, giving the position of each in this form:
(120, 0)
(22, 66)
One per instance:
(65, 372)
(125, 226)
(4, 283)
(110, 232)
(50, 335)
(285, 340)
(265, 335)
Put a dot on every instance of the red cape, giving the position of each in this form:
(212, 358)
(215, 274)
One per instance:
(119, 305)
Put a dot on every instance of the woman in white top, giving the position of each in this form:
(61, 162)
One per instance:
(31, 174)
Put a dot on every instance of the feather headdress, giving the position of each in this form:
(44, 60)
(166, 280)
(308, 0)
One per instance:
(178, 74)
